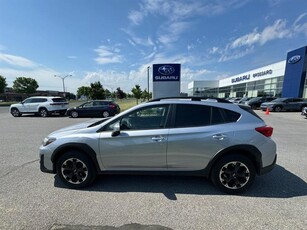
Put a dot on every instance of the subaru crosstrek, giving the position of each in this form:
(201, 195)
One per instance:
(225, 142)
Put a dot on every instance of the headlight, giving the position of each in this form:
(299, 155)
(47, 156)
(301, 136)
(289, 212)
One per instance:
(48, 140)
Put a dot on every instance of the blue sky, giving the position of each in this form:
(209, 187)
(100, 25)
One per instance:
(114, 41)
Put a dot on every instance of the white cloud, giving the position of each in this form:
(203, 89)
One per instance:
(17, 61)
(108, 55)
(299, 26)
(245, 44)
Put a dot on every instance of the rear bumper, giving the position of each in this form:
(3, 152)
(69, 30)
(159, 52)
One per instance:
(268, 168)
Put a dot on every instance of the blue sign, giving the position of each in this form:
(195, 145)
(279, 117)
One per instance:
(166, 72)
(295, 73)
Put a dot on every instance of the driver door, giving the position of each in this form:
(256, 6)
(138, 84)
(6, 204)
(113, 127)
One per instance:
(141, 141)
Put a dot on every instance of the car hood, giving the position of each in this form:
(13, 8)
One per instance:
(77, 127)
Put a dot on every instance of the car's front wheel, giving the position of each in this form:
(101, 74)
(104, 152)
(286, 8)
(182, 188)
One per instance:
(15, 112)
(43, 112)
(75, 169)
(74, 114)
(277, 108)
(233, 174)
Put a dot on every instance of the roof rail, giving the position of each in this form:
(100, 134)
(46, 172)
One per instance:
(192, 99)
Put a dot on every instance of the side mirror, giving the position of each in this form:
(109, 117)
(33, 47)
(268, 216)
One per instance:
(116, 130)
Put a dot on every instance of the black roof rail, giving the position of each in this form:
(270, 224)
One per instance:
(192, 99)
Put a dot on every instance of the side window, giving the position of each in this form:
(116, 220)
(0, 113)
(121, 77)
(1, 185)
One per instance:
(192, 115)
(153, 117)
(89, 104)
(231, 116)
(217, 116)
(27, 101)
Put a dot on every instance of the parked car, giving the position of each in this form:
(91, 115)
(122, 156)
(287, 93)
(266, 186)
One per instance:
(304, 112)
(257, 101)
(284, 104)
(96, 108)
(244, 100)
(228, 143)
(235, 99)
(42, 106)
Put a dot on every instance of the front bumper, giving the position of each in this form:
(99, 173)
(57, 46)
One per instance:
(42, 166)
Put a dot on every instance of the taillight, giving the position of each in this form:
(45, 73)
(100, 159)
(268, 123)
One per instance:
(112, 106)
(265, 130)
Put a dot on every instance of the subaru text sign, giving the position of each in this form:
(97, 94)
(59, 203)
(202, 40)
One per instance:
(166, 72)
(166, 80)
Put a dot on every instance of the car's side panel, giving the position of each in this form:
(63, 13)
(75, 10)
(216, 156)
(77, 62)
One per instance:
(192, 148)
(134, 150)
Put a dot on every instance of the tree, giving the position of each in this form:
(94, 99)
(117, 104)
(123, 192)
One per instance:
(137, 92)
(108, 93)
(120, 94)
(145, 95)
(2, 84)
(83, 91)
(97, 91)
(25, 85)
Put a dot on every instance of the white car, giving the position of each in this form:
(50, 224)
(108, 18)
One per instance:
(42, 106)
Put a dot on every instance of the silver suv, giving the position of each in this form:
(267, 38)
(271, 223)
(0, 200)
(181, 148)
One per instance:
(43, 106)
(225, 142)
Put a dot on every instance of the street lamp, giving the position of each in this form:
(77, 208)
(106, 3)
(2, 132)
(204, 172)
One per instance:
(148, 81)
(63, 78)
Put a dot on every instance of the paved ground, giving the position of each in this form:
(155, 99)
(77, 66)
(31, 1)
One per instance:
(30, 199)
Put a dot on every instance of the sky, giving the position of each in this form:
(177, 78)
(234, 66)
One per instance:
(114, 41)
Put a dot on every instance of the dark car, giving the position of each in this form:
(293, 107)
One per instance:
(96, 108)
(255, 103)
(285, 104)
(244, 100)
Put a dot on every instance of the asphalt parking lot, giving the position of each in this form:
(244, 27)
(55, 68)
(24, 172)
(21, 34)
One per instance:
(30, 199)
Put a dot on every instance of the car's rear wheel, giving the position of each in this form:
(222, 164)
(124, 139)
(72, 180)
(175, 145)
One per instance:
(75, 169)
(105, 114)
(15, 112)
(233, 174)
(74, 114)
(277, 108)
(43, 112)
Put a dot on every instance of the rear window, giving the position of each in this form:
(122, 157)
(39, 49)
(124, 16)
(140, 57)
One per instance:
(249, 110)
(58, 99)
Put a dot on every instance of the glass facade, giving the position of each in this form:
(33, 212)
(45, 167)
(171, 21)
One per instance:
(268, 87)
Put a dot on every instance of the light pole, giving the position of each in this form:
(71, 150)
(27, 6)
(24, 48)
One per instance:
(63, 78)
(148, 81)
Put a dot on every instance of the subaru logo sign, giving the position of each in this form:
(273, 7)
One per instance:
(294, 59)
(166, 70)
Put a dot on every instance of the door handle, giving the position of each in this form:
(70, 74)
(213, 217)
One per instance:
(158, 138)
(219, 137)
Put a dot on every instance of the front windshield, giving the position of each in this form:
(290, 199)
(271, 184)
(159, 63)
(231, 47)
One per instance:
(254, 99)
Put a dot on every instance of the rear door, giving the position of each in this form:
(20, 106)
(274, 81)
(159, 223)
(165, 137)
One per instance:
(198, 133)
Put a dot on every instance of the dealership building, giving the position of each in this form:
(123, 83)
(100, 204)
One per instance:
(282, 79)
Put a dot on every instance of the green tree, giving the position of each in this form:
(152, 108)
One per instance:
(83, 91)
(25, 85)
(137, 93)
(97, 91)
(108, 93)
(120, 94)
(2, 84)
(145, 95)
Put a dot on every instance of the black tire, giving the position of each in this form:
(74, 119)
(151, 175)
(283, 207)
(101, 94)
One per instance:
(74, 114)
(15, 112)
(105, 114)
(43, 112)
(76, 170)
(277, 109)
(233, 174)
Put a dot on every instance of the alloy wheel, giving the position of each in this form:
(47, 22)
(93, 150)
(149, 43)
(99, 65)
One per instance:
(234, 175)
(74, 171)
